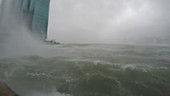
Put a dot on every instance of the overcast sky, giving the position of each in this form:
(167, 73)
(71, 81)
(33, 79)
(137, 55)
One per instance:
(110, 21)
(0, 2)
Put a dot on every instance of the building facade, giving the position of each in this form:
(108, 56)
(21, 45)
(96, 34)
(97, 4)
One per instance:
(34, 13)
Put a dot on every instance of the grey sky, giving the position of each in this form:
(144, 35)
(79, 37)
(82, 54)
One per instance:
(110, 21)
(0, 2)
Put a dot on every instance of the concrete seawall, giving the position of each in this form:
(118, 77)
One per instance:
(5, 90)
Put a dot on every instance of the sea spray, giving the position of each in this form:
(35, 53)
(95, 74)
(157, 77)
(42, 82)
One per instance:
(15, 35)
(91, 70)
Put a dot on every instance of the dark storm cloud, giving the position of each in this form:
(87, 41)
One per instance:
(110, 21)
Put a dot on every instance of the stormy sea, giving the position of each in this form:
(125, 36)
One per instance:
(90, 70)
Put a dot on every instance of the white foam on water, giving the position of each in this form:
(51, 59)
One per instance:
(131, 66)
(47, 94)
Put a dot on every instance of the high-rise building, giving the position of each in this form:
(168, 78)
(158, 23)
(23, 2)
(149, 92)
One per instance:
(34, 13)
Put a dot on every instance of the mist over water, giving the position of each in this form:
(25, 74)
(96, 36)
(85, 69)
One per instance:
(16, 38)
(90, 70)
(32, 68)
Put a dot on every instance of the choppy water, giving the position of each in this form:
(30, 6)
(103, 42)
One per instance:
(90, 70)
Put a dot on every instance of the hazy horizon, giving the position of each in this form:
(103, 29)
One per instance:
(110, 21)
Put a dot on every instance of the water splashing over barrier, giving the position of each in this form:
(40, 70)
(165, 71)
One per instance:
(16, 36)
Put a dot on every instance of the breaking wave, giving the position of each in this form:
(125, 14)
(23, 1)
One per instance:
(90, 70)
